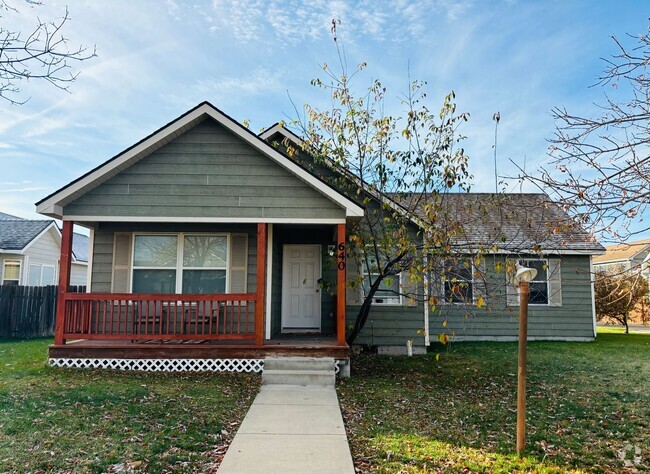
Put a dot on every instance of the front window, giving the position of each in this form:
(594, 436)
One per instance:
(184, 263)
(11, 272)
(458, 281)
(389, 288)
(538, 286)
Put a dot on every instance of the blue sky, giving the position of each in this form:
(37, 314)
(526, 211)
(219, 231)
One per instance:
(157, 59)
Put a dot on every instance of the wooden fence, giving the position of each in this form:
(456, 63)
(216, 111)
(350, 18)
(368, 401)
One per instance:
(28, 311)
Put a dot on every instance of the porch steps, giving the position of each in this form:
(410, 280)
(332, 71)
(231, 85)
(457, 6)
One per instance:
(317, 371)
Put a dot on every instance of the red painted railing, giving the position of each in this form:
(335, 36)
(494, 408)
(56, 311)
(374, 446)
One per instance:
(170, 317)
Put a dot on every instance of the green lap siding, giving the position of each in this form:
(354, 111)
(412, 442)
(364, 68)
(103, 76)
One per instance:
(103, 247)
(394, 325)
(206, 172)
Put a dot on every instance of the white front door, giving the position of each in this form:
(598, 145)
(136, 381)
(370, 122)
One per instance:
(300, 288)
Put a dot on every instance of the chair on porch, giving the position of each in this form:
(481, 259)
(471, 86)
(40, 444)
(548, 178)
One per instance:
(146, 319)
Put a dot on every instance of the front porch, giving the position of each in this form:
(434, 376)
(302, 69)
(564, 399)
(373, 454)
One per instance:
(127, 326)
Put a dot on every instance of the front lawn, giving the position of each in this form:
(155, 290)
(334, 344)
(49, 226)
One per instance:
(588, 407)
(98, 421)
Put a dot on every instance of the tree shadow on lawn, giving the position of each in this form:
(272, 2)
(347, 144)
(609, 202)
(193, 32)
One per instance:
(588, 403)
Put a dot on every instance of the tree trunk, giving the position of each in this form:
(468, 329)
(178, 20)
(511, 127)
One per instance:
(364, 311)
(627, 327)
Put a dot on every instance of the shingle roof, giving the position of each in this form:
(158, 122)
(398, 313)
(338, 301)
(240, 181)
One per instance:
(8, 217)
(622, 251)
(80, 247)
(512, 222)
(17, 234)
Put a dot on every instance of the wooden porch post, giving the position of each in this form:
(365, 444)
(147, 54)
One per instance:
(64, 280)
(261, 283)
(340, 285)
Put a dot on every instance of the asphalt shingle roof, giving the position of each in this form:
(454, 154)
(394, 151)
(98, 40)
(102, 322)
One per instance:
(17, 234)
(513, 222)
(623, 251)
(80, 247)
(8, 217)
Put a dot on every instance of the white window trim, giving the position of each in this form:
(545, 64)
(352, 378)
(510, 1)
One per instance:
(179, 256)
(459, 303)
(548, 289)
(20, 269)
(41, 267)
(398, 297)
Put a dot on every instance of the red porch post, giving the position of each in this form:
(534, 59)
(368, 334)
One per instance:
(261, 283)
(340, 285)
(64, 279)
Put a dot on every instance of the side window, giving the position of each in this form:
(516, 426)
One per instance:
(11, 272)
(539, 293)
(389, 289)
(458, 281)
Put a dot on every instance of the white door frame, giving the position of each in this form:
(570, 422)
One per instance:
(284, 289)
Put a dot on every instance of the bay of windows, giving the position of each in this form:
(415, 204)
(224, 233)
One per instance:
(180, 263)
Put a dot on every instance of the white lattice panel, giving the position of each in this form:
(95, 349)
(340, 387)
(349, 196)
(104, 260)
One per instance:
(163, 365)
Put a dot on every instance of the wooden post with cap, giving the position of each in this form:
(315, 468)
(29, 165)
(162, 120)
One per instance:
(64, 280)
(341, 259)
(524, 290)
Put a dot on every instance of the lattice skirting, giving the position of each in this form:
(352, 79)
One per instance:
(163, 365)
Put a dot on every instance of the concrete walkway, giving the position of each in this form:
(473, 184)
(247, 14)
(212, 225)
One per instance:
(291, 429)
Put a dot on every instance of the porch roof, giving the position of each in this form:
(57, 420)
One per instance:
(53, 204)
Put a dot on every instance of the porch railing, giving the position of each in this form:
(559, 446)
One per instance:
(170, 317)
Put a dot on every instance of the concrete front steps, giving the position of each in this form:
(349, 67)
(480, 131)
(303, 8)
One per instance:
(314, 371)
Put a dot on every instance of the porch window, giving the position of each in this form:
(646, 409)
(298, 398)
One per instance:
(539, 286)
(458, 282)
(11, 272)
(181, 263)
(389, 288)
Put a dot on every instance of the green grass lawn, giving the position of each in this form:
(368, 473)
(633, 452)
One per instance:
(89, 420)
(587, 403)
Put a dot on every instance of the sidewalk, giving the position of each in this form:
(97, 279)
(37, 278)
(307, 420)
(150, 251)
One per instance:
(291, 429)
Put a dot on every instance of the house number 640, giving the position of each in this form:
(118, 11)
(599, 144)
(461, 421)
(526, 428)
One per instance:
(341, 256)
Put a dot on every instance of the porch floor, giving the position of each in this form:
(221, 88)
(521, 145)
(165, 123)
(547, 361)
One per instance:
(296, 345)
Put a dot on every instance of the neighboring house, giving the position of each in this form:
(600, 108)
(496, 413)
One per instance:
(210, 247)
(30, 252)
(628, 257)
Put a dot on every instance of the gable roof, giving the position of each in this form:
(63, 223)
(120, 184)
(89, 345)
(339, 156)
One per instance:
(16, 234)
(623, 251)
(8, 217)
(53, 204)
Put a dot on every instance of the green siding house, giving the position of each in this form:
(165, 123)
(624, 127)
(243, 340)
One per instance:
(211, 249)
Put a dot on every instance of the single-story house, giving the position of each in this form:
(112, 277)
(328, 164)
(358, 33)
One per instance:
(210, 246)
(629, 257)
(30, 252)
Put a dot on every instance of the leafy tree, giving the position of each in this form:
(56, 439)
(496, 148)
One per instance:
(617, 294)
(42, 54)
(600, 167)
(395, 166)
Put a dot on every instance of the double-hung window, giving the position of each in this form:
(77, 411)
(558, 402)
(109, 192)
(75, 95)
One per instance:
(389, 288)
(180, 263)
(539, 285)
(11, 272)
(458, 281)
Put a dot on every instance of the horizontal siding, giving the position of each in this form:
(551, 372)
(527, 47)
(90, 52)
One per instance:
(393, 325)
(78, 274)
(207, 172)
(45, 250)
(103, 248)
